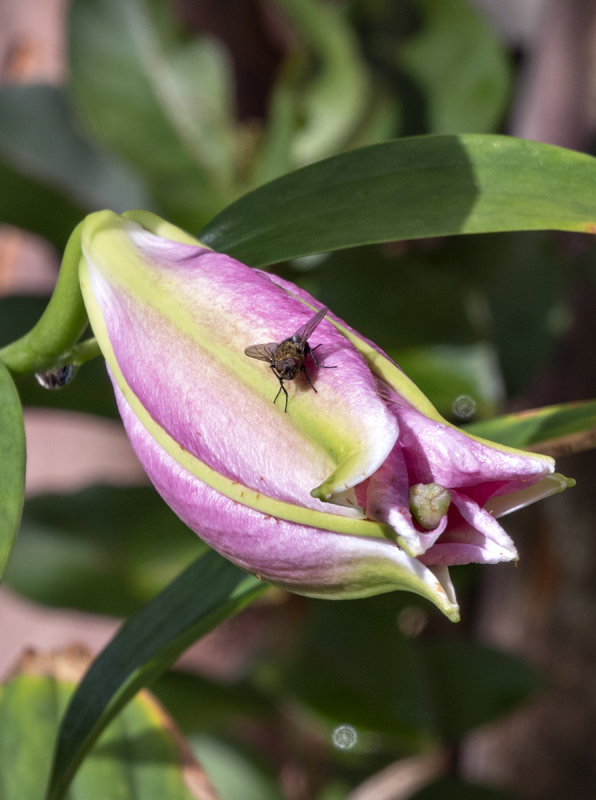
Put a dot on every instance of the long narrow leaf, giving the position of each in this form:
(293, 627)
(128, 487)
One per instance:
(139, 749)
(554, 430)
(205, 594)
(410, 188)
(12, 465)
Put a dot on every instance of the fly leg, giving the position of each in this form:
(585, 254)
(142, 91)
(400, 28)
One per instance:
(303, 368)
(281, 389)
(308, 349)
(311, 350)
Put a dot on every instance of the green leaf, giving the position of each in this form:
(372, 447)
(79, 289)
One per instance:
(406, 189)
(334, 101)
(162, 103)
(460, 65)
(234, 775)
(428, 306)
(205, 594)
(12, 465)
(563, 428)
(461, 381)
(322, 98)
(29, 713)
(137, 751)
(101, 549)
(29, 204)
(513, 285)
(39, 137)
(372, 682)
(456, 789)
(473, 684)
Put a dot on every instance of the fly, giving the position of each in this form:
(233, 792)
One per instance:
(287, 359)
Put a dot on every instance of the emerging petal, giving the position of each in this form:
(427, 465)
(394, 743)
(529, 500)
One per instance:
(474, 537)
(360, 488)
(432, 452)
(303, 559)
(174, 319)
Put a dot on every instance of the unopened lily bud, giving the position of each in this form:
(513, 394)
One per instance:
(312, 493)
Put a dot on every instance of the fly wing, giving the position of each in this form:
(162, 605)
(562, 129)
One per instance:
(264, 352)
(307, 329)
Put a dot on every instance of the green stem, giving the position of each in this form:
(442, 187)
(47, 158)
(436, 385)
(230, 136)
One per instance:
(61, 324)
(81, 353)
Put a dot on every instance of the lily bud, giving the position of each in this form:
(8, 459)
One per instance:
(316, 500)
(429, 503)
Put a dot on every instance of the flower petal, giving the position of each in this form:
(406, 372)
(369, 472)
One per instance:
(548, 485)
(360, 451)
(177, 317)
(297, 557)
(477, 538)
(385, 496)
(438, 452)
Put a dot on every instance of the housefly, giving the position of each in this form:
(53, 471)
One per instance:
(287, 358)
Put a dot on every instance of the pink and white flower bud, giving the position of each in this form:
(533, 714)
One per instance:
(317, 500)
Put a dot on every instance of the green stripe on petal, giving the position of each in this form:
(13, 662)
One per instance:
(353, 451)
(390, 373)
(501, 505)
(383, 367)
(160, 227)
(229, 488)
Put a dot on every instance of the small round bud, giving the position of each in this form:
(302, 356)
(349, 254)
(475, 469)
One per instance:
(429, 502)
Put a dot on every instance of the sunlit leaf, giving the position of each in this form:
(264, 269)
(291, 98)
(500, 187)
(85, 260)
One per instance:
(332, 103)
(410, 188)
(460, 66)
(205, 594)
(12, 465)
(234, 775)
(138, 750)
(162, 103)
(556, 430)
(57, 175)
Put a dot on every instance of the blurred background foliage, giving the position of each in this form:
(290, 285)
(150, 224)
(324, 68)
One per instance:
(180, 108)
(159, 113)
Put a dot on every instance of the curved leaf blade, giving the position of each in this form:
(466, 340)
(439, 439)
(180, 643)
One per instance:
(12, 465)
(205, 594)
(40, 138)
(554, 430)
(139, 750)
(334, 101)
(410, 188)
(475, 684)
(456, 39)
(172, 118)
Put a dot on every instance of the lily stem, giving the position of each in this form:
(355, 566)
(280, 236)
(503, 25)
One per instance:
(54, 337)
